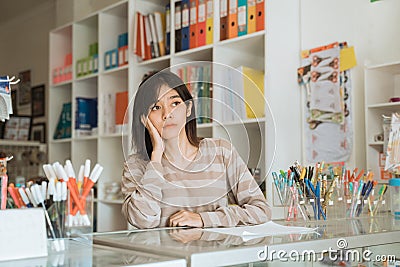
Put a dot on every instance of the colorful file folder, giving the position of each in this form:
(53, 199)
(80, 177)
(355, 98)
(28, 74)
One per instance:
(209, 21)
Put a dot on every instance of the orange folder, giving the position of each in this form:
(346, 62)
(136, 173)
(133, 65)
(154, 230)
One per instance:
(251, 16)
(121, 104)
(223, 20)
(137, 49)
(232, 19)
(201, 23)
(260, 20)
(193, 24)
(145, 41)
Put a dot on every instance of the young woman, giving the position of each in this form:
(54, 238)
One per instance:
(176, 179)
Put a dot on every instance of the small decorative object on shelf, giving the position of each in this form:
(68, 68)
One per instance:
(4, 179)
(5, 96)
(392, 163)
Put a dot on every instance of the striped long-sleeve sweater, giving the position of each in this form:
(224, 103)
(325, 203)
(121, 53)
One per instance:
(217, 185)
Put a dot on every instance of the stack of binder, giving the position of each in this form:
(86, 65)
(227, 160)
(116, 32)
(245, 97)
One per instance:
(240, 17)
(150, 34)
(193, 24)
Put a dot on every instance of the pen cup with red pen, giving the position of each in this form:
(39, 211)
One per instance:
(77, 196)
(76, 221)
(80, 199)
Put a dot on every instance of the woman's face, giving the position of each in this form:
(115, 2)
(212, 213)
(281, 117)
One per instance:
(169, 113)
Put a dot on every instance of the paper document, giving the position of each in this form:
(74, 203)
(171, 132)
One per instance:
(266, 229)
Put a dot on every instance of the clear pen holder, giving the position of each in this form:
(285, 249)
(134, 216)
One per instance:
(79, 219)
(336, 208)
(56, 212)
(294, 209)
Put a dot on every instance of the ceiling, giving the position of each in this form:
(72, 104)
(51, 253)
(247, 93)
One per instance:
(14, 8)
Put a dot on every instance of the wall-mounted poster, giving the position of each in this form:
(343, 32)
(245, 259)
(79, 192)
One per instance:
(24, 93)
(38, 132)
(38, 103)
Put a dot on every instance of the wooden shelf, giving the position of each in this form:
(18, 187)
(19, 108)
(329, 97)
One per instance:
(4, 142)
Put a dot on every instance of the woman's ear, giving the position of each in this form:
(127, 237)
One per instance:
(189, 108)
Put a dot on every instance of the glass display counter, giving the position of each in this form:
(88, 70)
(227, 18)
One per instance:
(85, 254)
(346, 240)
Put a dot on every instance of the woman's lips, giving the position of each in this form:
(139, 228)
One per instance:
(169, 125)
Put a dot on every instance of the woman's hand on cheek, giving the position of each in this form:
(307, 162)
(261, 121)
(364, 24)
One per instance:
(186, 218)
(156, 140)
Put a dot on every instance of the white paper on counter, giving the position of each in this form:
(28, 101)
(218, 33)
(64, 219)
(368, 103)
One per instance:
(266, 229)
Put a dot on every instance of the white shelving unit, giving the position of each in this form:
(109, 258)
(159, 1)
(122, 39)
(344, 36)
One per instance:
(382, 82)
(104, 27)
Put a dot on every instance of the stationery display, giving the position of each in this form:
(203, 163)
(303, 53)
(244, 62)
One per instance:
(90, 64)
(118, 56)
(5, 96)
(325, 78)
(309, 193)
(66, 199)
(63, 73)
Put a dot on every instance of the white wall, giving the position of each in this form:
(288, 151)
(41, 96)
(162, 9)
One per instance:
(73, 10)
(282, 92)
(25, 44)
(25, 38)
(372, 28)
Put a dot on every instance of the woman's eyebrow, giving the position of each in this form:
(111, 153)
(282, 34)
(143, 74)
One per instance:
(171, 97)
(174, 96)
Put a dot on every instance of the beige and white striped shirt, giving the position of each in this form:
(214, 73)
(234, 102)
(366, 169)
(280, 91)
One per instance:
(216, 178)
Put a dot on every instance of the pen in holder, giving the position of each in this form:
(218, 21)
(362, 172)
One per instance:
(290, 195)
(315, 193)
(379, 202)
(76, 196)
(79, 218)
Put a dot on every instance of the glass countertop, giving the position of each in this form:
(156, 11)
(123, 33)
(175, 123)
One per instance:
(85, 254)
(197, 245)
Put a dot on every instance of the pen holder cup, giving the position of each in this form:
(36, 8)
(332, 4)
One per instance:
(79, 219)
(321, 209)
(55, 233)
(372, 206)
(336, 208)
(312, 209)
(394, 187)
(294, 210)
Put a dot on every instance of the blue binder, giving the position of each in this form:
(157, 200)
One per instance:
(185, 25)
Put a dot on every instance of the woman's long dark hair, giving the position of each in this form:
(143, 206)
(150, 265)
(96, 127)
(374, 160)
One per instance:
(147, 96)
